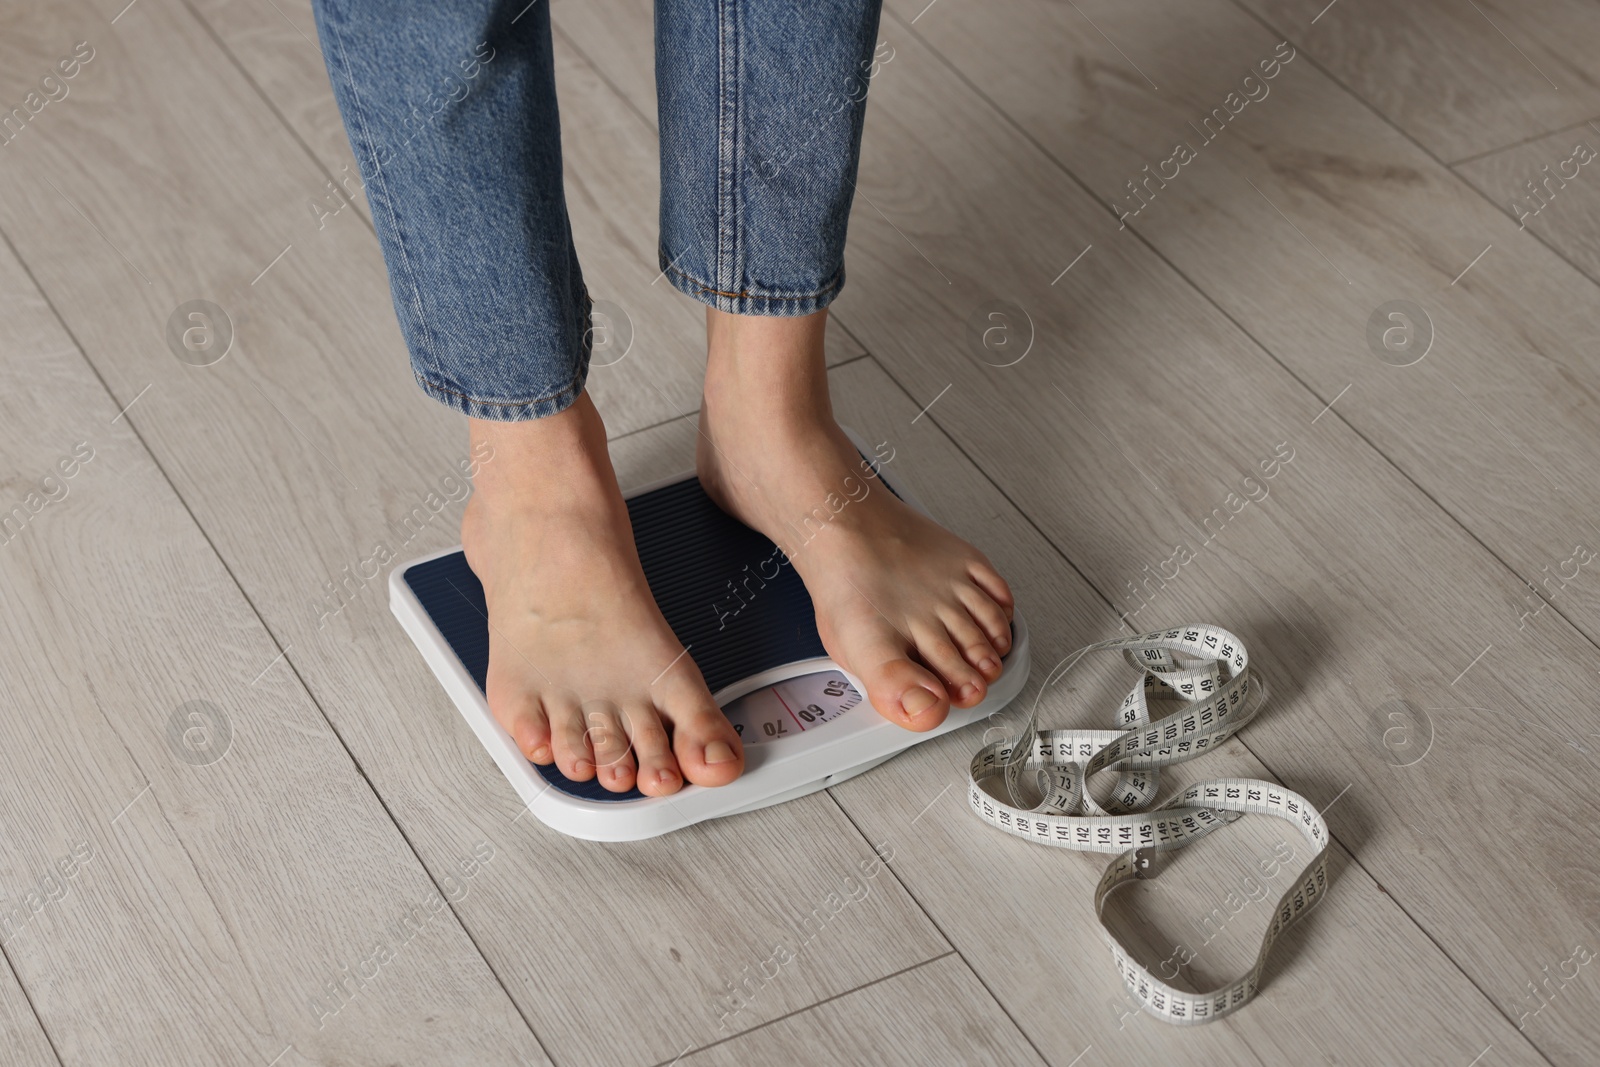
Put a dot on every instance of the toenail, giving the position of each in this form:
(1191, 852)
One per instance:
(618, 773)
(718, 752)
(917, 700)
(968, 691)
(540, 754)
(986, 664)
(667, 778)
(583, 767)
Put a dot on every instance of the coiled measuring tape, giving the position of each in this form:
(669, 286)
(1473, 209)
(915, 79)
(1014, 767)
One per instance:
(1206, 671)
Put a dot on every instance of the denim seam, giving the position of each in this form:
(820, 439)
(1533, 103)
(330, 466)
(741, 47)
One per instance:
(723, 270)
(571, 387)
(736, 232)
(558, 399)
(425, 340)
(747, 294)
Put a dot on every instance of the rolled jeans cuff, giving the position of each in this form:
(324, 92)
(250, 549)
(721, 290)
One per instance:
(752, 301)
(506, 410)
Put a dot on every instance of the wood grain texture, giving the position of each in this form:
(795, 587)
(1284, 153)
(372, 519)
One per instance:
(1461, 78)
(22, 1040)
(1144, 409)
(316, 460)
(937, 1013)
(1305, 217)
(610, 158)
(193, 870)
(1563, 212)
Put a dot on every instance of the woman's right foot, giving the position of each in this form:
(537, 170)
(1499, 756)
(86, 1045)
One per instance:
(583, 669)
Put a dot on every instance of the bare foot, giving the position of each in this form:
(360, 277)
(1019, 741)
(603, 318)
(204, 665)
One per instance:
(583, 669)
(908, 607)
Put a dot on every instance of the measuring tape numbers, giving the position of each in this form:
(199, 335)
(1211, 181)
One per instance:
(1205, 671)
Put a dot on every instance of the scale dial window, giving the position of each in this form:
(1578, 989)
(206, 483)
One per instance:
(790, 708)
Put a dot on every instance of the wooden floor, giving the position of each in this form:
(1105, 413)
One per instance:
(243, 824)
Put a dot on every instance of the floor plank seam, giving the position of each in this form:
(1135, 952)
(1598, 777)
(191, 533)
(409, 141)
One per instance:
(853, 359)
(300, 680)
(1453, 164)
(1424, 149)
(800, 1011)
(599, 73)
(947, 939)
(848, 332)
(383, 803)
(32, 1007)
(678, 418)
(283, 121)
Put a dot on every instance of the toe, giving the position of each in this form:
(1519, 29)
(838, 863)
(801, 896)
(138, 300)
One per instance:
(569, 738)
(520, 714)
(990, 616)
(988, 579)
(705, 743)
(904, 692)
(610, 741)
(708, 749)
(973, 642)
(658, 773)
(961, 680)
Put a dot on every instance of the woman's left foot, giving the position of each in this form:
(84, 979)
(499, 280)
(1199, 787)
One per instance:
(919, 615)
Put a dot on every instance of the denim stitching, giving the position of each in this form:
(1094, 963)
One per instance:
(568, 393)
(570, 387)
(425, 341)
(746, 294)
(736, 243)
(723, 269)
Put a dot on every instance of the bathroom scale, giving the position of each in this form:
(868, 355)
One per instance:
(744, 617)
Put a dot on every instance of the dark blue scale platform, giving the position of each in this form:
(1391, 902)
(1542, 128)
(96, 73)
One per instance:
(727, 592)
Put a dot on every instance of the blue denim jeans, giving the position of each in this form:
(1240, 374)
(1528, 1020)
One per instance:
(450, 106)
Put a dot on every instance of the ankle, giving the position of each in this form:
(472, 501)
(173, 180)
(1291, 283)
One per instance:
(554, 464)
(765, 375)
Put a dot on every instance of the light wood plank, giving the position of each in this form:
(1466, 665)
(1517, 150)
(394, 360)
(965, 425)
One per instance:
(22, 1041)
(1461, 78)
(1562, 212)
(1399, 599)
(192, 864)
(316, 447)
(935, 1013)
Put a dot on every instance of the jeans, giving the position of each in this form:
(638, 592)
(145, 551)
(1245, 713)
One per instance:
(450, 106)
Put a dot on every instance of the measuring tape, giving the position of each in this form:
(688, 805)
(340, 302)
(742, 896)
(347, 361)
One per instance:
(1206, 671)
